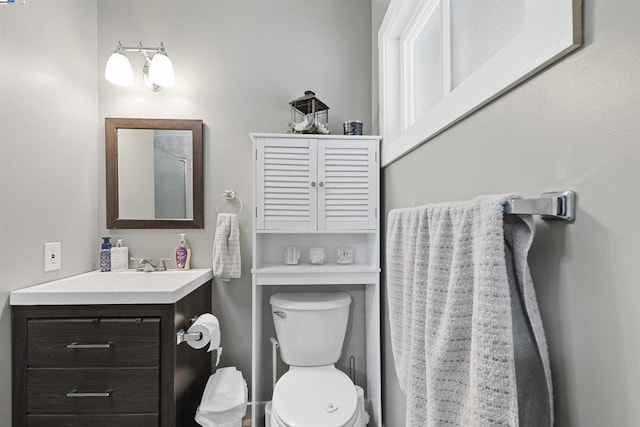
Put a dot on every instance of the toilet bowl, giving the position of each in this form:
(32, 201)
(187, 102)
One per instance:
(224, 401)
(314, 397)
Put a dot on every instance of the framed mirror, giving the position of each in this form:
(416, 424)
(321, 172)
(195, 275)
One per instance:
(154, 173)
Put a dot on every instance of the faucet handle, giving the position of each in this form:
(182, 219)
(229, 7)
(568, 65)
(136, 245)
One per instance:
(162, 265)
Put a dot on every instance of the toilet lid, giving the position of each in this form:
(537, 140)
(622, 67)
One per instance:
(315, 397)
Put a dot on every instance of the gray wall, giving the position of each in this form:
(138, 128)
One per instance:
(574, 126)
(238, 64)
(48, 150)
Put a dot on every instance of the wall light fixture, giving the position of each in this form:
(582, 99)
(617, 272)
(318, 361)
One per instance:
(157, 71)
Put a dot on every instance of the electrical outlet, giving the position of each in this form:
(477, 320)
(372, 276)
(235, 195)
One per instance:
(52, 256)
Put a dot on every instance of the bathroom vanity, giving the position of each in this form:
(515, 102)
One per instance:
(99, 349)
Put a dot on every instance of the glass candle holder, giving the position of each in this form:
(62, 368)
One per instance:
(316, 254)
(291, 254)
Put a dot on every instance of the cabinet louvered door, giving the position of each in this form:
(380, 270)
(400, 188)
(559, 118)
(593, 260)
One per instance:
(347, 185)
(286, 185)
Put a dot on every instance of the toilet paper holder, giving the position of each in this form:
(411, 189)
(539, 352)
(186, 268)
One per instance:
(183, 336)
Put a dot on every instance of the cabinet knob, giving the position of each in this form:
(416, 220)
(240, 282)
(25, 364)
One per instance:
(321, 184)
(313, 183)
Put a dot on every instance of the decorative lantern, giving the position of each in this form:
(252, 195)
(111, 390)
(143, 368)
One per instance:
(309, 114)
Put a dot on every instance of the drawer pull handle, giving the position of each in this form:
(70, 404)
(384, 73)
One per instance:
(78, 345)
(76, 393)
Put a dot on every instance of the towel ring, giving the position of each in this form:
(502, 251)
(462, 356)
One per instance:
(229, 195)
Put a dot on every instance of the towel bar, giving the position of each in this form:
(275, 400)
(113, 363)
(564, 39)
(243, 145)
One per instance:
(556, 205)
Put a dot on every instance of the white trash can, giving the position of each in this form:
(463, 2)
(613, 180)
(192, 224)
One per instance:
(224, 401)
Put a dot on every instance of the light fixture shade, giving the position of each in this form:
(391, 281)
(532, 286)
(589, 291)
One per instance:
(118, 70)
(161, 70)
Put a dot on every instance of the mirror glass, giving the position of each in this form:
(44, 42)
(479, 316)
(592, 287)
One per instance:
(154, 173)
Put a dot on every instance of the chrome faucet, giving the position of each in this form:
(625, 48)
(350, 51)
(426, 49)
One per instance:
(147, 266)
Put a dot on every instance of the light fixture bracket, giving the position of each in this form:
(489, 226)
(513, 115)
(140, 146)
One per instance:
(141, 49)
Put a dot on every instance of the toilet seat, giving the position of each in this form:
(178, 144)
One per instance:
(315, 397)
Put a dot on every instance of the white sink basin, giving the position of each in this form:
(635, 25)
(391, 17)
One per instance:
(127, 287)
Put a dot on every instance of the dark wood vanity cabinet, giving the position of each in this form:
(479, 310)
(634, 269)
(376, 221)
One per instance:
(108, 365)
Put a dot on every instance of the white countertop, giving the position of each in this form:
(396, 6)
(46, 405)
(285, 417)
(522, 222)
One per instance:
(127, 287)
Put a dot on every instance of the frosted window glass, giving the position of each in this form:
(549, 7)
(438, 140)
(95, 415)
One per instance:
(427, 70)
(479, 29)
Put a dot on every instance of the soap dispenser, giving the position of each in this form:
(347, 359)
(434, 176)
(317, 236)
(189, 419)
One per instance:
(105, 254)
(183, 254)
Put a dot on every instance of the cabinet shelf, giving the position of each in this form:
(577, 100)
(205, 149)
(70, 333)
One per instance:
(325, 274)
(315, 269)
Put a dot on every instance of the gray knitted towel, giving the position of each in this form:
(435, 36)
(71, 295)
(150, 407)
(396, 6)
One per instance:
(466, 333)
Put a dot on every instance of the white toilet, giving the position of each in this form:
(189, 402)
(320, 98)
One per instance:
(311, 327)
(224, 401)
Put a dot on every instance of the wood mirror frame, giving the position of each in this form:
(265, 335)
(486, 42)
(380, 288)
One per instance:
(111, 144)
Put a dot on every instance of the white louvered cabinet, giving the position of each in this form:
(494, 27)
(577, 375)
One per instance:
(317, 190)
(312, 184)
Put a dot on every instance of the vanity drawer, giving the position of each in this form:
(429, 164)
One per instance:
(145, 420)
(92, 391)
(99, 342)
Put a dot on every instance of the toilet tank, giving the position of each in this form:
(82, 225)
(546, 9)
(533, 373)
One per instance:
(310, 326)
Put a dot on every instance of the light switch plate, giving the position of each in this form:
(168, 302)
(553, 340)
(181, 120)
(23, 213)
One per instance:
(52, 256)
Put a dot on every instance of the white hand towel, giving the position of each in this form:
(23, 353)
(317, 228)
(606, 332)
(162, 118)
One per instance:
(466, 333)
(226, 247)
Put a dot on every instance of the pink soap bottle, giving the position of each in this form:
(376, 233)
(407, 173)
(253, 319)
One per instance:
(183, 254)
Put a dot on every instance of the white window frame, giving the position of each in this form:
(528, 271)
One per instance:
(553, 29)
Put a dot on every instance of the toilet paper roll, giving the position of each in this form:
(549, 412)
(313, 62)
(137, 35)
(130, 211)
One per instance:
(218, 355)
(209, 328)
